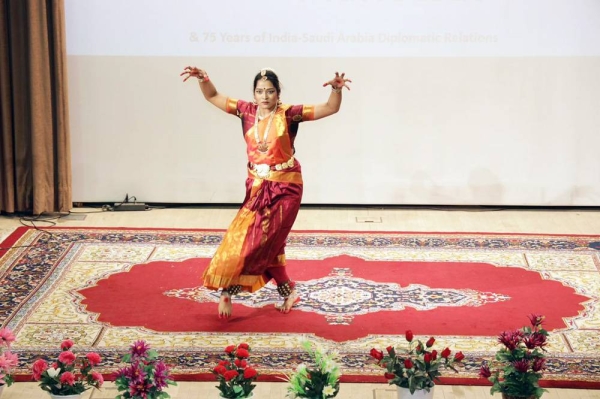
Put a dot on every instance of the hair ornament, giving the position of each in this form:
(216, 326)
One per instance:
(263, 72)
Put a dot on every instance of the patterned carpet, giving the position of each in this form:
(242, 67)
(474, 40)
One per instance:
(105, 288)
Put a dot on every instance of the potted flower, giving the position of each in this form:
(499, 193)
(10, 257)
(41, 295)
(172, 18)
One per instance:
(521, 360)
(415, 370)
(70, 375)
(320, 381)
(234, 373)
(145, 376)
(8, 360)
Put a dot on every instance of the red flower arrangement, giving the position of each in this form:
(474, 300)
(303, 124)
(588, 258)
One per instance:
(234, 374)
(69, 374)
(417, 367)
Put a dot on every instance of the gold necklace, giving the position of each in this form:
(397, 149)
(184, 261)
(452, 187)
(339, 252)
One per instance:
(262, 145)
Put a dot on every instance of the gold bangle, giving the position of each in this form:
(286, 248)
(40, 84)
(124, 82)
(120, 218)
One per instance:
(203, 79)
(334, 90)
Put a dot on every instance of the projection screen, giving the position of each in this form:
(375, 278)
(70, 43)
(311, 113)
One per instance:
(453, 102)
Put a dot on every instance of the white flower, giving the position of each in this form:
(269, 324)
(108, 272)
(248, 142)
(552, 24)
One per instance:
(52, 372)
(328, 390)
(301, 367)
(329, 366)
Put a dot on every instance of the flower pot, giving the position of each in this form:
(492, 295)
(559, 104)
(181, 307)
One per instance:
(76, 396)
(246, 397)
(506, 396)
(404, 393)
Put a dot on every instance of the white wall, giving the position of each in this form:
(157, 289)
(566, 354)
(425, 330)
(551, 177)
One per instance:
(477, 102)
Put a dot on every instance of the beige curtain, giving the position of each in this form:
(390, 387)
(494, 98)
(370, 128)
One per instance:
(35, 158)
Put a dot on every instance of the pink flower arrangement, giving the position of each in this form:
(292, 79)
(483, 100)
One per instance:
(69, 374)
(522, 361)
(234, 374)
(146, 375)
(8, 360)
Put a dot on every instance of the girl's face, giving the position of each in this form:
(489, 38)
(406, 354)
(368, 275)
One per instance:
(265, 96)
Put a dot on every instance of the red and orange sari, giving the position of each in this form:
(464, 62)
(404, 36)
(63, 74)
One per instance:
(255, 240)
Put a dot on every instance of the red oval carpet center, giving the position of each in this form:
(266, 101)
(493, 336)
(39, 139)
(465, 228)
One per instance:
(343, 298)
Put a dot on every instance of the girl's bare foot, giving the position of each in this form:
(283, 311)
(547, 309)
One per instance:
(289, 302)
(225, 305)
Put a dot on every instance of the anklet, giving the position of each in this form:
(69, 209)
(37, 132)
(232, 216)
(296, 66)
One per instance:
(286, 288)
